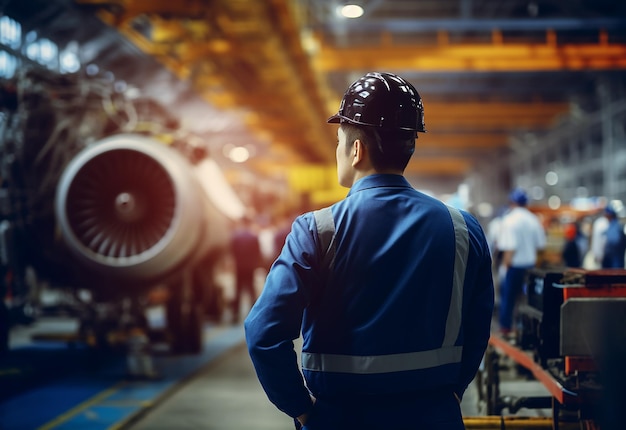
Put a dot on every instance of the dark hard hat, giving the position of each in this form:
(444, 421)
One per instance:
(382, 100)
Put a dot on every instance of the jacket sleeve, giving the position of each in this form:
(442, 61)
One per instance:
(275, 320)
(478, 308)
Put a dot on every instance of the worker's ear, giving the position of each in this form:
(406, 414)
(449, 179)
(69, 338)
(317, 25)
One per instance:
(358, 152)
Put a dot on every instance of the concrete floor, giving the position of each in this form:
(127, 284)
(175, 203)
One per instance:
(226, 395)
(223, 396)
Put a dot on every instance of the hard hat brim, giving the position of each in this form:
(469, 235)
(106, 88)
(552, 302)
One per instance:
(338, 119)
(335, 119)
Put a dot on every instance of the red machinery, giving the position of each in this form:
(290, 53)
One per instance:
(571, 337)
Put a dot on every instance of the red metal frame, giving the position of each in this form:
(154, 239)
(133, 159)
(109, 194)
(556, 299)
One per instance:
(560, 393)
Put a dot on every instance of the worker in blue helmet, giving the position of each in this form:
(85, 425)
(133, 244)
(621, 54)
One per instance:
(522, 238)
(390, 289)
(519, 197)
(615, 241)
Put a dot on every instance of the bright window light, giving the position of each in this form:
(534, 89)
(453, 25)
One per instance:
(43, 51)
(8, 65)
(69, 62)
(68, 58)
(10, 32)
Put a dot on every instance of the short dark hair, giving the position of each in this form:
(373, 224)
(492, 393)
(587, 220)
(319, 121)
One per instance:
(389, 149)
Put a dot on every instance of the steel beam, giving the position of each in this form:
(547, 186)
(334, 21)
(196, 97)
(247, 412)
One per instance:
(468, 57)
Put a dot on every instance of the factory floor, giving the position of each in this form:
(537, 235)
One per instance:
(216, 391)
(226, 395)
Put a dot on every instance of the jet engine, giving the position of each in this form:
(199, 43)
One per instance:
(134, 214)
(93, 201)
(131, 209)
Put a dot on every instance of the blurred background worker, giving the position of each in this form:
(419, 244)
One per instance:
(521, 238)
(614, 241)
(4, 312)
(598, 241)
(246, 251)
(571, 253)
(392, 288)
(492, 234)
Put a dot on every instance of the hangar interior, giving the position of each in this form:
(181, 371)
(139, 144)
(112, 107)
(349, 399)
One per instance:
(528, 93)
(512, 90)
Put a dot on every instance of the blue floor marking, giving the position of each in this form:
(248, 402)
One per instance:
(102, 402)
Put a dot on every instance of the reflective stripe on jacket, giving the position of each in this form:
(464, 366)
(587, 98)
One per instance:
(401, 303)
(446, 354)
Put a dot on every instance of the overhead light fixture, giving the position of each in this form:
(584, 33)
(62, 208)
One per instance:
(552, 178)
(238, 154)
(554, 202)
(351, 11)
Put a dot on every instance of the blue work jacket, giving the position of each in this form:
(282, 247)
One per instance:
(384, 317)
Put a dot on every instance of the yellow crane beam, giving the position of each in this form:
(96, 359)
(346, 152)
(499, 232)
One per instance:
(248, 55)
(444, 166)
(458, 141)
(494, 57)
(238, 54)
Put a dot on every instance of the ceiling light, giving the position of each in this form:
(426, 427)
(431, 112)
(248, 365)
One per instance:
(552, 178)
(554, 202)
(239, 154)
(351, 11)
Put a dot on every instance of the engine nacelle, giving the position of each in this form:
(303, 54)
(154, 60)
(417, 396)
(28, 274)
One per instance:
(131, 208)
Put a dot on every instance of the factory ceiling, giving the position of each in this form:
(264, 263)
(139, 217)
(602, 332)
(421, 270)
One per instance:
(272, 71)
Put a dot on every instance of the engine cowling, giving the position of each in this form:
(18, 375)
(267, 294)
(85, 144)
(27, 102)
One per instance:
(129, 207)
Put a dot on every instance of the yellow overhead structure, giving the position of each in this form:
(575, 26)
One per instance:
(483, 141)
(490, 116)
(492, 57)
(239, 54)
(439, 166)
(251, 56)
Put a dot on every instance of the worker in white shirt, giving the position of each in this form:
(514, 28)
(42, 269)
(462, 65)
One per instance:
(521, 239)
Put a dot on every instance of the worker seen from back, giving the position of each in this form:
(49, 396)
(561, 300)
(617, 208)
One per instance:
(390, 288)
(521, 239)
(246, 250)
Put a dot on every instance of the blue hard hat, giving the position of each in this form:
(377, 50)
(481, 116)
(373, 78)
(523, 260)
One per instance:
(518, 196)
(609, 210)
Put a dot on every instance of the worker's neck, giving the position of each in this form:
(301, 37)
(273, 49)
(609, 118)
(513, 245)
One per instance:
(360, 174)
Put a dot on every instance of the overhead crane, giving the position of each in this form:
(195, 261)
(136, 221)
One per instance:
(239, 55)
(494, 56)
(251, 57)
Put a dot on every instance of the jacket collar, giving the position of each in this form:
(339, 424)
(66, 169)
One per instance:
(379, 180)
